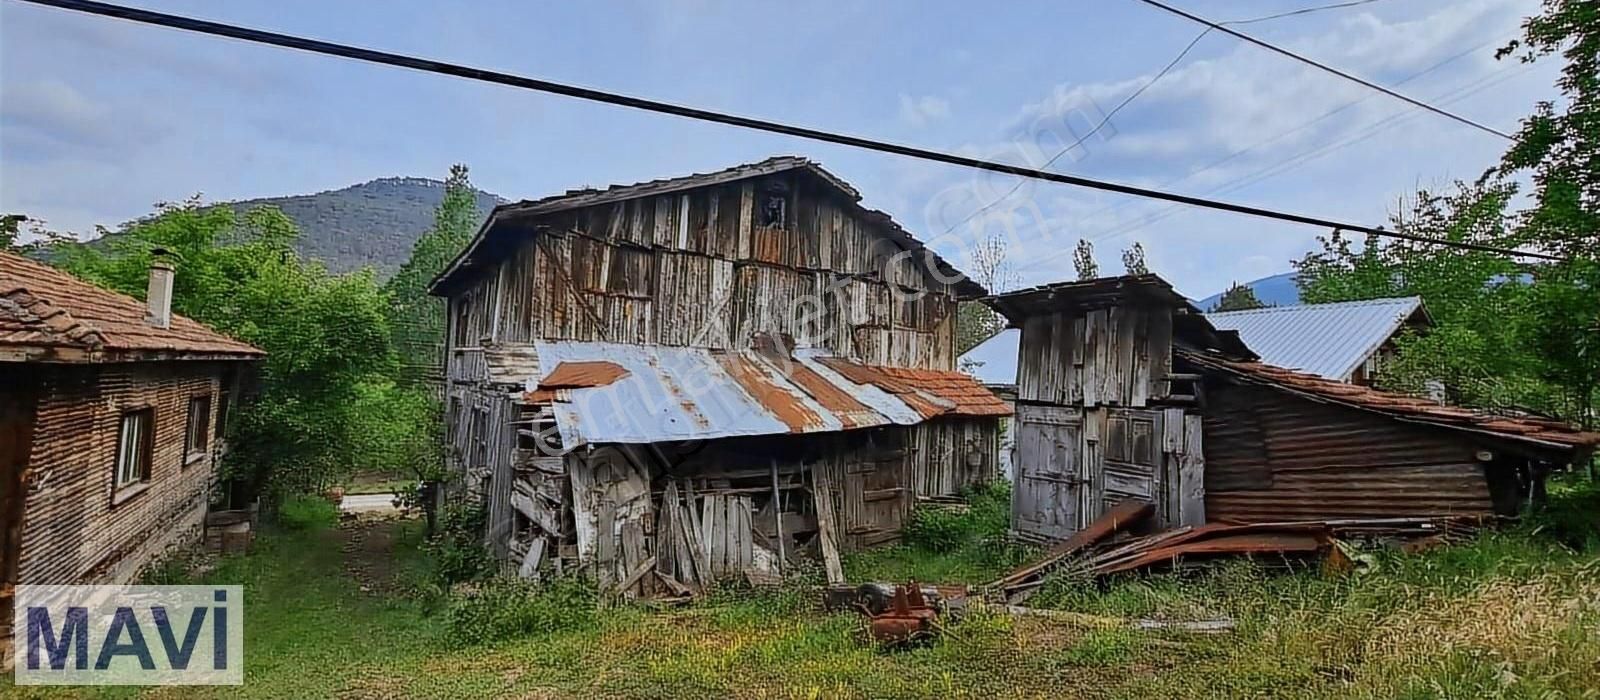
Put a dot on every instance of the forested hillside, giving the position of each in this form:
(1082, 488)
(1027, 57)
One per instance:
(374, 223)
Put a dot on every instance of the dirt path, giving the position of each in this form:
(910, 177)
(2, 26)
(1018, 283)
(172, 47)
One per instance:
(368, 546)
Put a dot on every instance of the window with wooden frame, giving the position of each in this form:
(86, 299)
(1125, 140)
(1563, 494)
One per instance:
(135, 442)
(197, 436)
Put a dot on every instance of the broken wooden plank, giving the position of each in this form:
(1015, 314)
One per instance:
(530, 563)
(637, 573)
(540, 516)
(822, 498)
(1114, 520)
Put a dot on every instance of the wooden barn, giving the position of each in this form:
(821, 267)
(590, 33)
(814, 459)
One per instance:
(703, 377)
(1125, 391)
(111, 412)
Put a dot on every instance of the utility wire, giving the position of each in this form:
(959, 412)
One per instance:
(1325, 67)
(1275, 168)
(1135, 95)
(431, 66)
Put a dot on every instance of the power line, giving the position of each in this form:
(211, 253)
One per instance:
(1289, 163)
(1142, 88)
(442, 68)
(1327, 68)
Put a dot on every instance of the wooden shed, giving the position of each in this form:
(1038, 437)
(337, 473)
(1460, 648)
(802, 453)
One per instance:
(1125, 391)
(687, 379)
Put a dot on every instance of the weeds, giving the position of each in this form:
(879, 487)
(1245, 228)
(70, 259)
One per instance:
(307, 513)
(947, 545)
(457, 549)
(507, 608)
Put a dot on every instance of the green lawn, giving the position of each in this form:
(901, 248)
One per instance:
(1513, 614)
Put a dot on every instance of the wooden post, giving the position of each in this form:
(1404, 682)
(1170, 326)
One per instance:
(777, 513)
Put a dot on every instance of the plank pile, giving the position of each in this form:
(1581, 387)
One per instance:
(1094, 552)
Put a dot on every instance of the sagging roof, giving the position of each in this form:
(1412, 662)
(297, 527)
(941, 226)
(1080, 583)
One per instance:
(618, 393)
(574, 199)
(49, 315)
(1538, 432)
(1328, 340)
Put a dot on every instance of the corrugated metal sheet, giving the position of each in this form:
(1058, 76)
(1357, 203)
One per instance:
(1328, 340)
(677, 393)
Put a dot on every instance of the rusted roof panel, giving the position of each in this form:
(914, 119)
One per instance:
(660, 393)
(44, 308)
(1536, 431)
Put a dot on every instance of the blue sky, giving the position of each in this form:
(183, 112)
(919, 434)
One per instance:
(101, 118)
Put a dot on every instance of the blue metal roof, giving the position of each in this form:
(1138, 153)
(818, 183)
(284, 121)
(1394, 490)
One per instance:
(1328, 340)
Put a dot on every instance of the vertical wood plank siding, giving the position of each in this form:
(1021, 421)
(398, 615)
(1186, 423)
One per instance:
(72, 533)
(698, 268)
(1273, 456)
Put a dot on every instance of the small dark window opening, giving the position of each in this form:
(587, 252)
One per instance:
(775, 205)
(224, 398)
(197, 438)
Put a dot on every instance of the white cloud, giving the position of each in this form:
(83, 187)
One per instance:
(1248, 126)
(919, 111)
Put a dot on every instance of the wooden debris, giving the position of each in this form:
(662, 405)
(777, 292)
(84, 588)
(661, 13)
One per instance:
(822, 495)
(1120, 517)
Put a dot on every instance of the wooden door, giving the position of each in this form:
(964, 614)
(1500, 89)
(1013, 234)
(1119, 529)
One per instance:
(1047, 497)
(1131, 448)
(877, 488)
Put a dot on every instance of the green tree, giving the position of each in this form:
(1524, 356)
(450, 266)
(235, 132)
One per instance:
(326, 337)
(988, 265)
(1478, 300)
(1083, 261)
(1133, 260)
(1238, 297)
(1560, 151)
(418, 320)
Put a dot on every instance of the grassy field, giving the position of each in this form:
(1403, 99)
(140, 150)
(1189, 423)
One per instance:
(1513, 614)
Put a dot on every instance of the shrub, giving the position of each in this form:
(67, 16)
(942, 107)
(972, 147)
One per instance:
(1569, 516)
(304, 513)
(506, 608)
(986, 519)
(457, 549)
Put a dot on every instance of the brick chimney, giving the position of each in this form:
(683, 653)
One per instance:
(158, 298)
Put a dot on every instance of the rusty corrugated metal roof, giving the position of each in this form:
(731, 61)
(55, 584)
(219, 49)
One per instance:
(654, 393)
(49, 310)
(1538, 431)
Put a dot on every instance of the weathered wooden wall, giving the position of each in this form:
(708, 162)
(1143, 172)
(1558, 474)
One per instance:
(697, 268)
(1073, 464)
(72, 531)
(1094, 422)
(1273, 456)
(1117, 356)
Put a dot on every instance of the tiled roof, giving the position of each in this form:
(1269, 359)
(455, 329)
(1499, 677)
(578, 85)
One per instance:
(1328, 340)
(52, 315)
(1539, 431)
(965, 394)
(573, 199)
